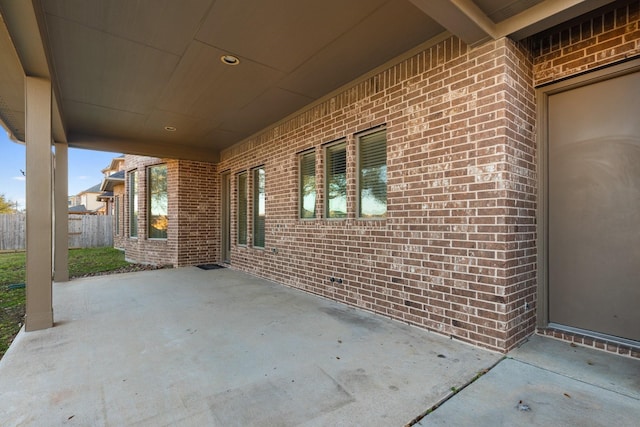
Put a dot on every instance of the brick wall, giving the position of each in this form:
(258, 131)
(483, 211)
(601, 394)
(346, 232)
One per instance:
(520, 181)
(198, 192)
(604, 37)
(141, 249)
(456, 253)
(193, 219)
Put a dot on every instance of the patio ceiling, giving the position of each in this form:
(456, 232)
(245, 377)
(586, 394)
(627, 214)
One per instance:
(124, 71)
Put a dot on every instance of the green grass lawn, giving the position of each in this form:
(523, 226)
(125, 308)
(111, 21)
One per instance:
(82, 262)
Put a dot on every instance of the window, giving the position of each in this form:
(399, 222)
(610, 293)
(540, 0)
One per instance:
(116, 215)
(336, 180)
(133, 204)
(242, 208)
(372, 175)
(308, 185)
(158, 202)
(258, 207)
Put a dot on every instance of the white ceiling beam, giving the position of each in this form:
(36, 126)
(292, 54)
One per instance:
(467, 21)
(22, 20)
(12, 106)
(545, 15)
(168, 150)
(460, 17)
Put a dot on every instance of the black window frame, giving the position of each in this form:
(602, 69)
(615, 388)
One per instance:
(258, 220)
(241, 205)
(133, 204)
(156, 233)
(307, 184)
(336, 163)
(371, 150)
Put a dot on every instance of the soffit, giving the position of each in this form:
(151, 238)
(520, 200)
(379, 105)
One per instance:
(128, 69)
(123, 70)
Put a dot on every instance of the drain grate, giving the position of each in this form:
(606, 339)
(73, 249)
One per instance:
(210, 266)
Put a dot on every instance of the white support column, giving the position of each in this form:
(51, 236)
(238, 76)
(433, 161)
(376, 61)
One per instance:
(60, 200)
(39, 204)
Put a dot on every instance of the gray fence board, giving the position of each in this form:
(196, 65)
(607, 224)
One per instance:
(85, 231)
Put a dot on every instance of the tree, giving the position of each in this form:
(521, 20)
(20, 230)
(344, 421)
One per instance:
(159, 201)
(373, 180)
(6, 206)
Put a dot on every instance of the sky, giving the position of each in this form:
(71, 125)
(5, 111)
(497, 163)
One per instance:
(85, 168)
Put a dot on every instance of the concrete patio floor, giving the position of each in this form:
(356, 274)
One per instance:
(191, 347)
(188, 347)
(547, 382)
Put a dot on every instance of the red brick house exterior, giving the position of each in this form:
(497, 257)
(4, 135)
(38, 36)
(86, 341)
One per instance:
(457, 252)
(193, 235)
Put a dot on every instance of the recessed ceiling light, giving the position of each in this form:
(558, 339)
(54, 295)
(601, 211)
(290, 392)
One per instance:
(170, 128)
(229, 60)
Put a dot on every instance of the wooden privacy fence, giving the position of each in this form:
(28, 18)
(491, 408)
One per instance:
(85, 231)
(90, 231)
(13, 231)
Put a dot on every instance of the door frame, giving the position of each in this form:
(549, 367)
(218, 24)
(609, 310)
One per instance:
(225, 217)
(542, 95)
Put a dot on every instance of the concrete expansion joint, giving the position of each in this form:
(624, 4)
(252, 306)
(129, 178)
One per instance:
(453, 391)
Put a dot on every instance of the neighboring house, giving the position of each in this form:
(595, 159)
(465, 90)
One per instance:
(89, 201)
(111, 189)
(73, 200)
(479, 182)
(80, 210)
